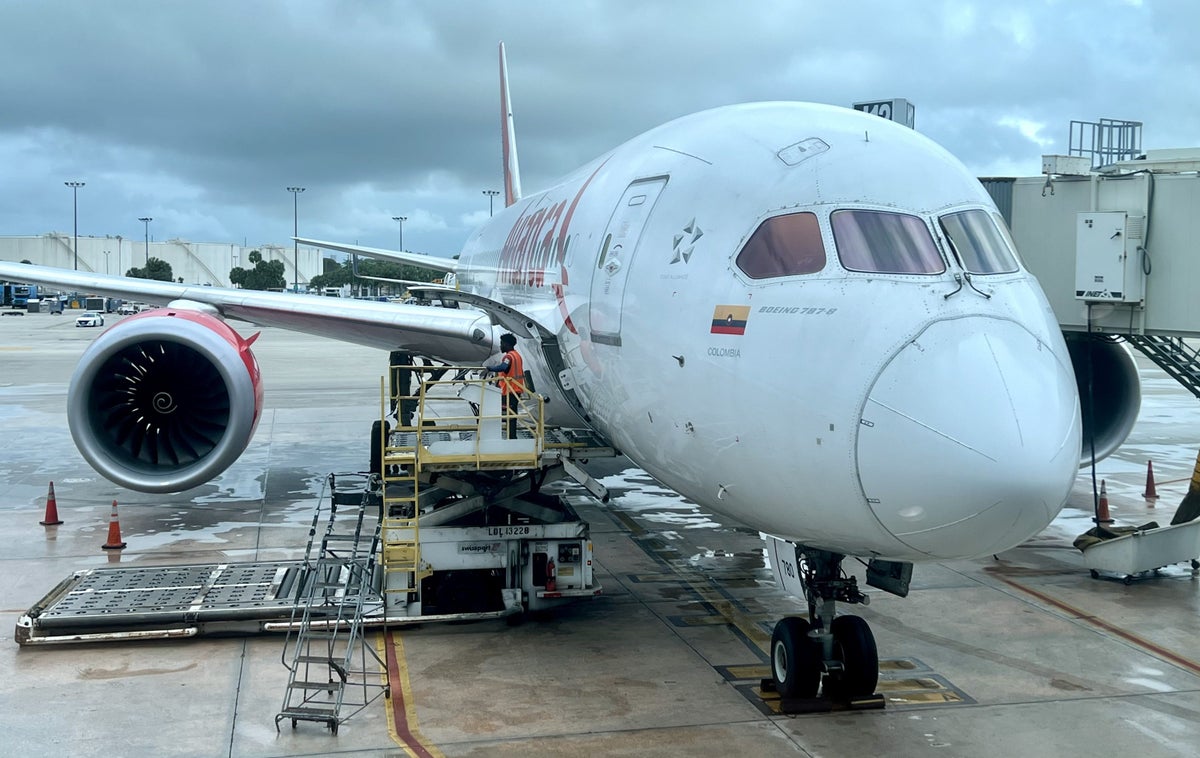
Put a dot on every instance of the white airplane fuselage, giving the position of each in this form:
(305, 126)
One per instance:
(909, 416)
(807, 319)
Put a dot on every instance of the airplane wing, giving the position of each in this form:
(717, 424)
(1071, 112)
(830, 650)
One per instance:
(454, 335)
(431, 262)
(510, 318)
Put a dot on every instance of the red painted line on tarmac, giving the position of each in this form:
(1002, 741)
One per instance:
(1141, 642)
(1177, 481)
(397, 681)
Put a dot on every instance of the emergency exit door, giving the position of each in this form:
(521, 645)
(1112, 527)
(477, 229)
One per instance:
(615, 259)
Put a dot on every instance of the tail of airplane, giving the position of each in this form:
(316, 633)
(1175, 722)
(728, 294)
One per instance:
(512, 171)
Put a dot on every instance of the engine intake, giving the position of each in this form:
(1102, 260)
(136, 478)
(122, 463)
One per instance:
(1111, 407)
(165, 400)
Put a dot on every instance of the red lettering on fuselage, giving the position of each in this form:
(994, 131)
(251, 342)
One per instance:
(526, 252)
(537, 240)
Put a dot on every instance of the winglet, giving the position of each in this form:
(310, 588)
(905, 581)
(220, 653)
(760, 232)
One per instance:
(508, 137)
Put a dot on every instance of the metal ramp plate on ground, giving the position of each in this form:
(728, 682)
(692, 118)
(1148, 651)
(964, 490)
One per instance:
(162, 601)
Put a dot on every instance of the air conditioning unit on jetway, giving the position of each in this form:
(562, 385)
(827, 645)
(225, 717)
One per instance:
(1108, 257)
(1066, 165)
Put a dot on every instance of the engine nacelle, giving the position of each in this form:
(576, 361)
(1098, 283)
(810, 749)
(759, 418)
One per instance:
(1111, 408)
(165, 400)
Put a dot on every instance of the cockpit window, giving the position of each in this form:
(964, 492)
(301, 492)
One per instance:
(980, 246)
(784, 246)
(885, 243)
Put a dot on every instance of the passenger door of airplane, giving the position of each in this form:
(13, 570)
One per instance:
(617, 248)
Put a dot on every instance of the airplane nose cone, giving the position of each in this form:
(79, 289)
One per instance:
(980, 462)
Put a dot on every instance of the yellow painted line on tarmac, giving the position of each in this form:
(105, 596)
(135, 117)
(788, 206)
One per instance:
(654, 578)
(402, 712)
(723, 608)
(734, 616)
(922, 698)
(702, 621)
(749, 671)
(909, 685)
(7, 349)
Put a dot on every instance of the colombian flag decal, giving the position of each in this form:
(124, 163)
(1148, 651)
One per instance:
(730, 319)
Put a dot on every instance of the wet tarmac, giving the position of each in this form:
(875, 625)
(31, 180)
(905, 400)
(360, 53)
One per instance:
(1021, 654)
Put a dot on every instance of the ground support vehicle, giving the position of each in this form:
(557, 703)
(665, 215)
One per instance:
(467, 527)
(465, 530)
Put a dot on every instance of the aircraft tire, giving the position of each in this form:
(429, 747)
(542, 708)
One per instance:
(379, 431)
(795, 659)
(854, 646)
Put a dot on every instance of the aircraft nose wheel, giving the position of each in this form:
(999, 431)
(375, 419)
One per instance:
(795, 659)
(839, 649)
(854, 647)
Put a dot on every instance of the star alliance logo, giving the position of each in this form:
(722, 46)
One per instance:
(685, 243)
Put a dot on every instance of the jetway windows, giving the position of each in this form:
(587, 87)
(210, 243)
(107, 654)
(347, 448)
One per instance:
(784, 246)
(885, 243)
(981, 247)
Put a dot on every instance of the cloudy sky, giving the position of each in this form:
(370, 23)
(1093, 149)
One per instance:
(200, 114)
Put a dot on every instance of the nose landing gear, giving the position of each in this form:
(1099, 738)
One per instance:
(840, 651)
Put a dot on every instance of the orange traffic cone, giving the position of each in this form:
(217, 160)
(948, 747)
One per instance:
(1102, 516)
(1151, 493)
(114, 532)
(52, 518)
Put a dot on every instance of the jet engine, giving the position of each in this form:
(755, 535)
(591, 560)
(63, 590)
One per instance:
(1110, 392)
(165, 400)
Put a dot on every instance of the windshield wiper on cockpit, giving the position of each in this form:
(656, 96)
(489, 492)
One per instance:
(966, 275)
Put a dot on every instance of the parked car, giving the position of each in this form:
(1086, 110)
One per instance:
(89, 318)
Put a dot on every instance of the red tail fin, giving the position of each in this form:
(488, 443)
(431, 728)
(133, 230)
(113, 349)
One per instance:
(512, 170)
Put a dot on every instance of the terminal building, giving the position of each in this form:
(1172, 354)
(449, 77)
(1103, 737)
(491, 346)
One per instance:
(191, 262)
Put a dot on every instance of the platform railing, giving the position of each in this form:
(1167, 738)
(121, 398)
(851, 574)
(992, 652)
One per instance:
(460, 422)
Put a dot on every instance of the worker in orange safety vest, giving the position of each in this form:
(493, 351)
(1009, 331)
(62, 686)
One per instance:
(511, 370)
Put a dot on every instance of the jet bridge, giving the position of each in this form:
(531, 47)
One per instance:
(1111, 236)
(1110, 232)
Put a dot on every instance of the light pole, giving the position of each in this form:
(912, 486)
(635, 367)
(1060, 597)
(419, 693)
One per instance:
(119, 253)
(401, 219)
(146, 220)
(75, 202)
(106, 254)
(491, 197)
(295, 231)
